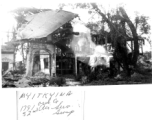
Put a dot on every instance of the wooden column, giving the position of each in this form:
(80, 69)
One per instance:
(53, 63)
(76, 71)
(50, 59)
(29, 62)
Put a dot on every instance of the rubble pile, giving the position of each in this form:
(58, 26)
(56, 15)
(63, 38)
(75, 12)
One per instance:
(84, 79)
(136, 77)
(40, 75)
(24, 82)
(143, 62)
(39, 79)
(3, 82)
(6, 83)
(9, 78)
(58, 81)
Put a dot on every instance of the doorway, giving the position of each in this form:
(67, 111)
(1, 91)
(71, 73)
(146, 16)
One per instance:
(5, 66)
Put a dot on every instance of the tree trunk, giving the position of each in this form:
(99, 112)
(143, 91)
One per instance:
(14, 56)
(134, 33)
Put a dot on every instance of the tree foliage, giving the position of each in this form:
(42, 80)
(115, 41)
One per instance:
(142, 24)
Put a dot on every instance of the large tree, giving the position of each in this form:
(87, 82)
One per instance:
(121, 30)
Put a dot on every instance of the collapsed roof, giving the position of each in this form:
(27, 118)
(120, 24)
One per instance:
(42, 24)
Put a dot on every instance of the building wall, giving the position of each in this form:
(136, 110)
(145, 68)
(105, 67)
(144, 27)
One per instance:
(7, 58)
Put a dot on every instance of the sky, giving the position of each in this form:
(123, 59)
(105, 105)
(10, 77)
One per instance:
(7, 21)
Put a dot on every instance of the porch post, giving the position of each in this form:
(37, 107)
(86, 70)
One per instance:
(29, 65)
(53, 62)
(76, 65)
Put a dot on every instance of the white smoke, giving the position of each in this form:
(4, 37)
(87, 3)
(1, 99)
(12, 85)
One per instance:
(100, 57)
(83, 46)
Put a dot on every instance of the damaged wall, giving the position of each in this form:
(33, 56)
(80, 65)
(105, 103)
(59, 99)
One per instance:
(46, 57)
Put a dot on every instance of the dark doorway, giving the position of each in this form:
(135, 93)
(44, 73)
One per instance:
(5, 66)
(46, 63)
(65, 64)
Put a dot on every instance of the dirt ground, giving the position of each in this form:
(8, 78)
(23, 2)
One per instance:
(136, 78)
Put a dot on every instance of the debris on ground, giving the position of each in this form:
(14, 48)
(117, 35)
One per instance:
(142, 75)
(24, 82)
(84, 79)
(137, 77)
(60, 81)
(7, 84)
(144, 62)
(40, 75)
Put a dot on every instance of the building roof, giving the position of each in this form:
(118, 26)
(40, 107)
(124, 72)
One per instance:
(42, 24)
(7, 49)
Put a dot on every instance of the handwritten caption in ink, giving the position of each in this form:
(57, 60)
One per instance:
(55, 102)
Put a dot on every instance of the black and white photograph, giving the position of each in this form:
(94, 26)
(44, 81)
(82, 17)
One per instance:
(46, 44)
(76, 60)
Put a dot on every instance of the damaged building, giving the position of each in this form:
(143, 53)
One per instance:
(48, 35)
(7, 56)
(55, 49)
